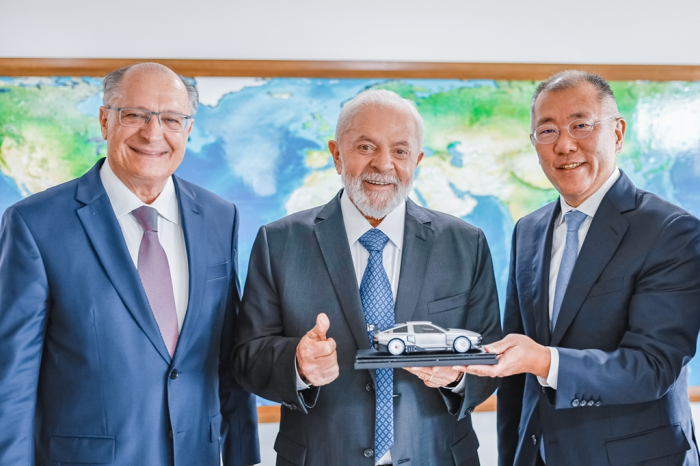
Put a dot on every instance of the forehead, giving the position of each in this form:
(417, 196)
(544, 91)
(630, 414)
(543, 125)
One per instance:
(383, 124)
(153, 90)
(557, 106)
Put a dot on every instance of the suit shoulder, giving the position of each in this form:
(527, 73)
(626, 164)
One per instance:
(443, 223)
(304, 219)
(49, 202)
(652, 206)
(203, 196)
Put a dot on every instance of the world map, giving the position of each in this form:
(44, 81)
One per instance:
(261, 143)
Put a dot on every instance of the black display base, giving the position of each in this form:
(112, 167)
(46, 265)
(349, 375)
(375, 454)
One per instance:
(373, 359)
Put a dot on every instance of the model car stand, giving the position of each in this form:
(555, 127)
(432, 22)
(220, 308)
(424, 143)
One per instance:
(373, 359)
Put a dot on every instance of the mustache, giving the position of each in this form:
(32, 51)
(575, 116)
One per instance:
(379, 178)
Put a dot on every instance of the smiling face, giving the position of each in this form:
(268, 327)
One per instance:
(376, 158)
(144, 157)
(578, 167)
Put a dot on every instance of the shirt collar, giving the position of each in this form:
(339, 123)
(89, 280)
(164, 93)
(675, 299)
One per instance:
(590, 205)
(357, 225)
(124, 201)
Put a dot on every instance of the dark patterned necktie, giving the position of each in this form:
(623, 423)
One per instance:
(155, 276)
(378, 305)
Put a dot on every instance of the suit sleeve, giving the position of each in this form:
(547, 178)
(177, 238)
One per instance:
(483, 316)
(264, 360)
(662, 330)
(238, 407)
(510, 392)
(24, 297)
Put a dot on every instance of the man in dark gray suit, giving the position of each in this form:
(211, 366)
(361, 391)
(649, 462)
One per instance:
(603, 304)
(317, 278)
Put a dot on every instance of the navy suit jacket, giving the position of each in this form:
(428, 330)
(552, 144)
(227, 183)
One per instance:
(300, 266)
(85, 376)
(627, 328)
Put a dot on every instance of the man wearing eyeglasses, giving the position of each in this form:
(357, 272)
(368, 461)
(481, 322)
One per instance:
(603, 302)
(119, 294)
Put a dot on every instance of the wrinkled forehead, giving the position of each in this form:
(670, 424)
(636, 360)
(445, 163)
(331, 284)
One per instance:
(563, 106)
(388, 124)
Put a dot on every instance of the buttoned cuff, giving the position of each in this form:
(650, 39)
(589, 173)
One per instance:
(552, 379)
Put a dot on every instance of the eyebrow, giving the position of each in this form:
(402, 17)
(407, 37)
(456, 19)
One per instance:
(574, 115)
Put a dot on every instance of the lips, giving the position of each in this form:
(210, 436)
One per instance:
(148, 152)
(571, 166)
(378, 183)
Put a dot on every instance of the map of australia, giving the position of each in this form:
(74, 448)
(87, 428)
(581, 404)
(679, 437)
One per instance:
(261, 143)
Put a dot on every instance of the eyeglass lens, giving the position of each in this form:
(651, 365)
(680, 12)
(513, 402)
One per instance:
(578, 129)
(136, 117)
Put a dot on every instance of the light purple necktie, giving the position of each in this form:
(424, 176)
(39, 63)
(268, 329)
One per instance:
(155, 276)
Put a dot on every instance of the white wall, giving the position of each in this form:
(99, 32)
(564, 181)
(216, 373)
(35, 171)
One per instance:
(589, 31)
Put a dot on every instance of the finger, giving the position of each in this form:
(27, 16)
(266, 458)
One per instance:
(483, 371)
(318, 333)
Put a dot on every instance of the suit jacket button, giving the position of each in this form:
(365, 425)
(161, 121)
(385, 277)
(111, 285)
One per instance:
(292, 406)
(470, 410)
(575, 402)
(369, 387)
(173, 374)
(591, 403)
(369, 453)
(598, 403)
(583, 403)
(534, 439)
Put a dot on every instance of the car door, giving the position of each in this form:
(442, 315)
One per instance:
(428, 336)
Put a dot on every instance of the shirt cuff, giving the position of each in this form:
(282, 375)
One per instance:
(301, 385)
(552, 379)
(459, 389)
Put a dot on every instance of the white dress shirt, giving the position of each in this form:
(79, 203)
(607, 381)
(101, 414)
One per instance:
(588, 207)
(170, 233)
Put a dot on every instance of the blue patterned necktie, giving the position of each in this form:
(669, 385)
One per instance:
(573, 220)
(378, 304)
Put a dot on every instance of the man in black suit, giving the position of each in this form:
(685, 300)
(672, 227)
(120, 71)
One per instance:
(603, 302)
(318, 270)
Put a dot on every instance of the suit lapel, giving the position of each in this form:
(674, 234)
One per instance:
(105, 234)
(333, 241)
(542, 243)
(417, 244)
(604, 236)
(193, 226)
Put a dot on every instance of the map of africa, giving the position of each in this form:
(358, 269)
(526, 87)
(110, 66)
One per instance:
(261, 143)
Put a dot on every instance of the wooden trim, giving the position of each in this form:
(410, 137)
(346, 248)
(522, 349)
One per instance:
(272, 413)
(344, 69)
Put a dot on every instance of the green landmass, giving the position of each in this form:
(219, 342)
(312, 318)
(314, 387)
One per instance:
(44, 139)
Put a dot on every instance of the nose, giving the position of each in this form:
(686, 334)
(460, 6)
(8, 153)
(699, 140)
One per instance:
(382, 161)
(152, 130)
(565, 143)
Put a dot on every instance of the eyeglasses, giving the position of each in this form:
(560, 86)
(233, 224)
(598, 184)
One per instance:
(547, 134)
(169, 121)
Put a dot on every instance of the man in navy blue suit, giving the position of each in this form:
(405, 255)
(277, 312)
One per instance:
(118, 302)
(603, 302)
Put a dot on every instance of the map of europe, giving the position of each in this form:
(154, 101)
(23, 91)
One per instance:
(261, 143)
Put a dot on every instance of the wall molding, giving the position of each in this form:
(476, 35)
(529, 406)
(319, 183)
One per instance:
(345, 69)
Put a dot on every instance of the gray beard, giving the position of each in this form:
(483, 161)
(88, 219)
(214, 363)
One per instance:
(375, 205)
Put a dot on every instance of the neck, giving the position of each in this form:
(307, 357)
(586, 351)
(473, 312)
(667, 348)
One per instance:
(147, 192)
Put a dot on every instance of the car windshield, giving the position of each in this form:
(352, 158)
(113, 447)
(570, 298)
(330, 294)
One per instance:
(439, 328)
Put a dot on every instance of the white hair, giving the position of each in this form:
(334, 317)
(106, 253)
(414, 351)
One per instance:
(380, 98)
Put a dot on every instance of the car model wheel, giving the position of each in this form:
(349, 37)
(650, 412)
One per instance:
(396, 346)
(462, 344)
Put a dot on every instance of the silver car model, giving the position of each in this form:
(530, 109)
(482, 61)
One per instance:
(424, 336)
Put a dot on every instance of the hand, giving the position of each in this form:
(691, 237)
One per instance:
(435, 377)
(317, 359)
(517, 354)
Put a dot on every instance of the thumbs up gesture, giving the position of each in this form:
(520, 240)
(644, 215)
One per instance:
(317, 359)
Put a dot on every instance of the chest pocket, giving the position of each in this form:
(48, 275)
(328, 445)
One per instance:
(217, 271)
(447, 304)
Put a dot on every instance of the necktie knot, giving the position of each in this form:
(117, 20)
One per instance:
(147, 217)
(574, 219)
(374, 240)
